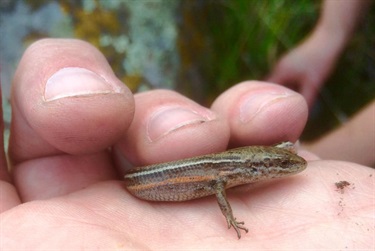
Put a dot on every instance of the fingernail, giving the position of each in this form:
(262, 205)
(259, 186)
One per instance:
(254, 104)
(75, 81)
(167, 120)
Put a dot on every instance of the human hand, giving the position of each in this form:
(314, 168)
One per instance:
(68, 194)
(306, 67)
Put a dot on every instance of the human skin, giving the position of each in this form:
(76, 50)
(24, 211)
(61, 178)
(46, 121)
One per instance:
(353, 141)
(306, 67)
(65, 192)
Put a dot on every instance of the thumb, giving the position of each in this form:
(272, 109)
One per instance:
(65, 98)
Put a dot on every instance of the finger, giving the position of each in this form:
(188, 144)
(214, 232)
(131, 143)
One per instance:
(66, 100)
(279, 75)
(169, 126)
(306, 86)
(309, 91)
(9, 197)
(8, 193)
(283, 77)
(55, 176)
(262, 113)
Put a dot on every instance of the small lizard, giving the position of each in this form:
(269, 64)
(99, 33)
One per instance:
(210, 174)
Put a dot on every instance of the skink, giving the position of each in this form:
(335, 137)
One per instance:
(210, 174)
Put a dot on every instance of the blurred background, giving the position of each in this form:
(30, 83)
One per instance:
(198, 47)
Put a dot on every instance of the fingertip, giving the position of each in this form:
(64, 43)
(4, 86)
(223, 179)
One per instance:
(278, 75)
(309, 92)
(274, 77)
(262, 113)
(169, 126)
(66, 98)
